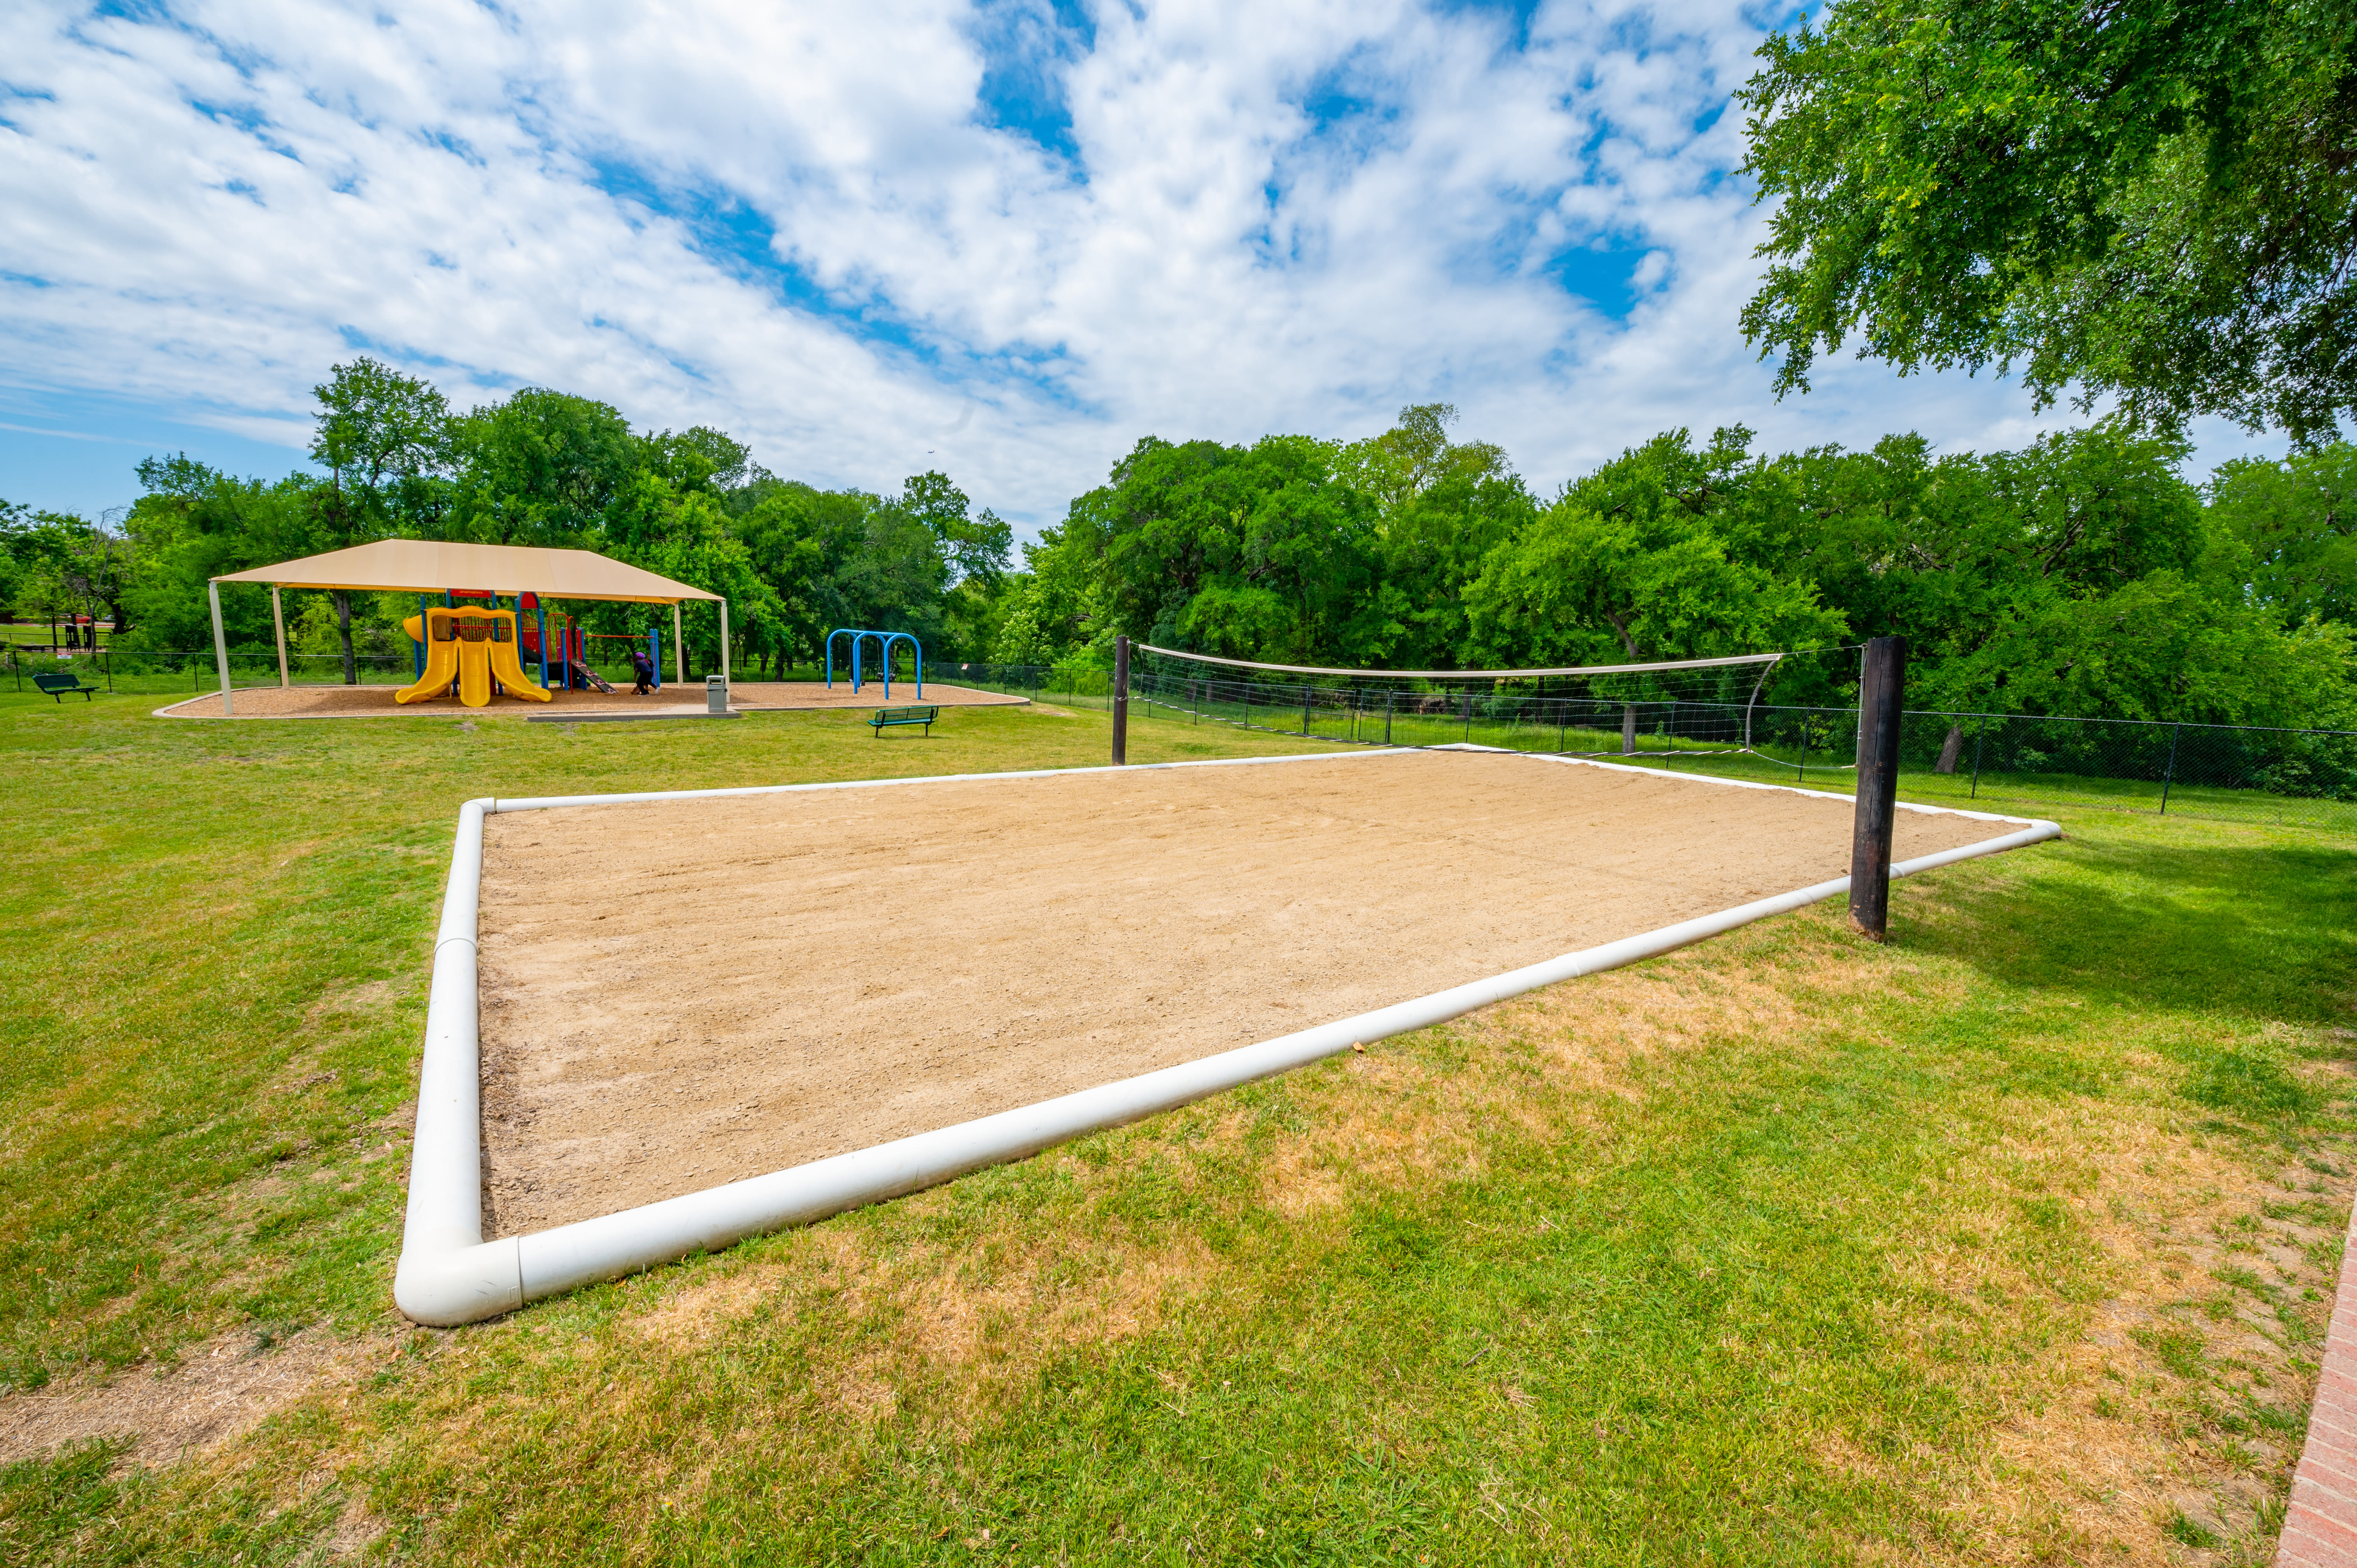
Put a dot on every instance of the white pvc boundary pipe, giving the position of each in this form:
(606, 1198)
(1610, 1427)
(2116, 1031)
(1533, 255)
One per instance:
(448, 1275)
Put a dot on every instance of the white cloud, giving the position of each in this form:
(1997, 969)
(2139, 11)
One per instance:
(1264, 219)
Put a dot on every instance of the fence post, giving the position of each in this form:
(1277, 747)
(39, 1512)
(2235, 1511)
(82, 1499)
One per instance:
(1980, 737)
(2169, 774)
(1468, 716)
(1388, 699)
(1804, 749)
(1305, 689)
(1881, 707)
(1120, 701)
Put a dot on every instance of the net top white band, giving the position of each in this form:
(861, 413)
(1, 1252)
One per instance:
(1477, 674)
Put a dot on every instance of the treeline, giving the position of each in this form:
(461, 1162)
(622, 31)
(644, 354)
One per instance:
(539, 467)
(2083, 575)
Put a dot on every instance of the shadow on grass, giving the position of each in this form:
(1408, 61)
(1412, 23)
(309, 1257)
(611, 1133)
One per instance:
(2267, 932)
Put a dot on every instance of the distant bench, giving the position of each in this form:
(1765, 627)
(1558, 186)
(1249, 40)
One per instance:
(885, 717)
(58, 685)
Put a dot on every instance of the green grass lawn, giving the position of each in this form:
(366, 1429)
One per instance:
(2009, 1242)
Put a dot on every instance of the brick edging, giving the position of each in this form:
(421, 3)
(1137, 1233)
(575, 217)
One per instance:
(2321, 1520)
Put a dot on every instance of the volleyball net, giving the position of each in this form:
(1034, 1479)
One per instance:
(1699, 706)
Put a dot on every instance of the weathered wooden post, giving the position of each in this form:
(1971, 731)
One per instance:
(1120, 702)
(1882, 703)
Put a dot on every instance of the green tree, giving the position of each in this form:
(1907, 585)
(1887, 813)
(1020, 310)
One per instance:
(37, 550)
(1021, 639)
(2298, 519)
(801, 539)
(1440, 508)
(1631, 565)
(384, 438)
(542, 468)
(687, 538)
(2149, 198)
(1260, 552)
(975, 548)
(895, 576)
(699, 459)
(193, 523)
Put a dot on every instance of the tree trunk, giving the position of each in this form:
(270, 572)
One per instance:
(344, 626)
(1951, 749)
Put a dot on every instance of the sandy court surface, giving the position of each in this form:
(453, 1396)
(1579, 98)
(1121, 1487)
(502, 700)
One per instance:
(749, 696)
(678, 994)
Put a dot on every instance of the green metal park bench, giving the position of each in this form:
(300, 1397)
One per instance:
(57, 685)
(885, 717)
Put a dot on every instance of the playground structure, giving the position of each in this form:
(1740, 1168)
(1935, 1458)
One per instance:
(555, 629)
(885, 639)
(468, 651)
(429, 566)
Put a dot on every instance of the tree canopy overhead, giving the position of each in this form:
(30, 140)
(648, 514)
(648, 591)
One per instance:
(2153, 199)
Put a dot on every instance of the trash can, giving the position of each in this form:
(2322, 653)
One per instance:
(716, 693)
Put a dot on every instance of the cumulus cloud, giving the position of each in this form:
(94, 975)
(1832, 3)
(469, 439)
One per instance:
(1004, 240)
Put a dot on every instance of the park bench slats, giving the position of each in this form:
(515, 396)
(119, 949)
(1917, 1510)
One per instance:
(58, 684)
(884, 718)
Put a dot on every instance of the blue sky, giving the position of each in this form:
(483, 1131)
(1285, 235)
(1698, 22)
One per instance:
(1004, 240)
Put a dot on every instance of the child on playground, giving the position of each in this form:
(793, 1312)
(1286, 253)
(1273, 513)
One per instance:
(642, 669)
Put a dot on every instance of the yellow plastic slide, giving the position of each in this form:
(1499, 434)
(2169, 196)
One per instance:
(475, 673)
(510, 674)
(441, 665)
(473, 662)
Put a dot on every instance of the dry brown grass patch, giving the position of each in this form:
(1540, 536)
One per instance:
(214, 1392)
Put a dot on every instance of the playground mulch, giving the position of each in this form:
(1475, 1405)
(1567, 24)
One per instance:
(679, 994)
(746, 697)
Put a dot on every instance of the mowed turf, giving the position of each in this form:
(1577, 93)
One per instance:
(2010, 1242)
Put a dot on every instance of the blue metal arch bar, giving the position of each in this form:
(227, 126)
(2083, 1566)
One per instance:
(885, 640)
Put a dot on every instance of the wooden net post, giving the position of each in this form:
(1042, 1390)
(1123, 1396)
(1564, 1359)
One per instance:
(1120, 702)
(1882, 703)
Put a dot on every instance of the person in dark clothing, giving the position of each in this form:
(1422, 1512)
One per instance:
(642, 669)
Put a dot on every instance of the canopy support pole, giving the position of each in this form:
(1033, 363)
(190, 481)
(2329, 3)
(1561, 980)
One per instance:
(278, 625)
(221, 649)
(678, 643)
(723, 642)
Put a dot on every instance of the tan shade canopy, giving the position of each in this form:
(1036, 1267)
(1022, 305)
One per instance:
(420, 566)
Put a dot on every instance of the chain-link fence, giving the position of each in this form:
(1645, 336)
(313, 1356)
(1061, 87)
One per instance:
(1073, 685)
(2002, 762)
